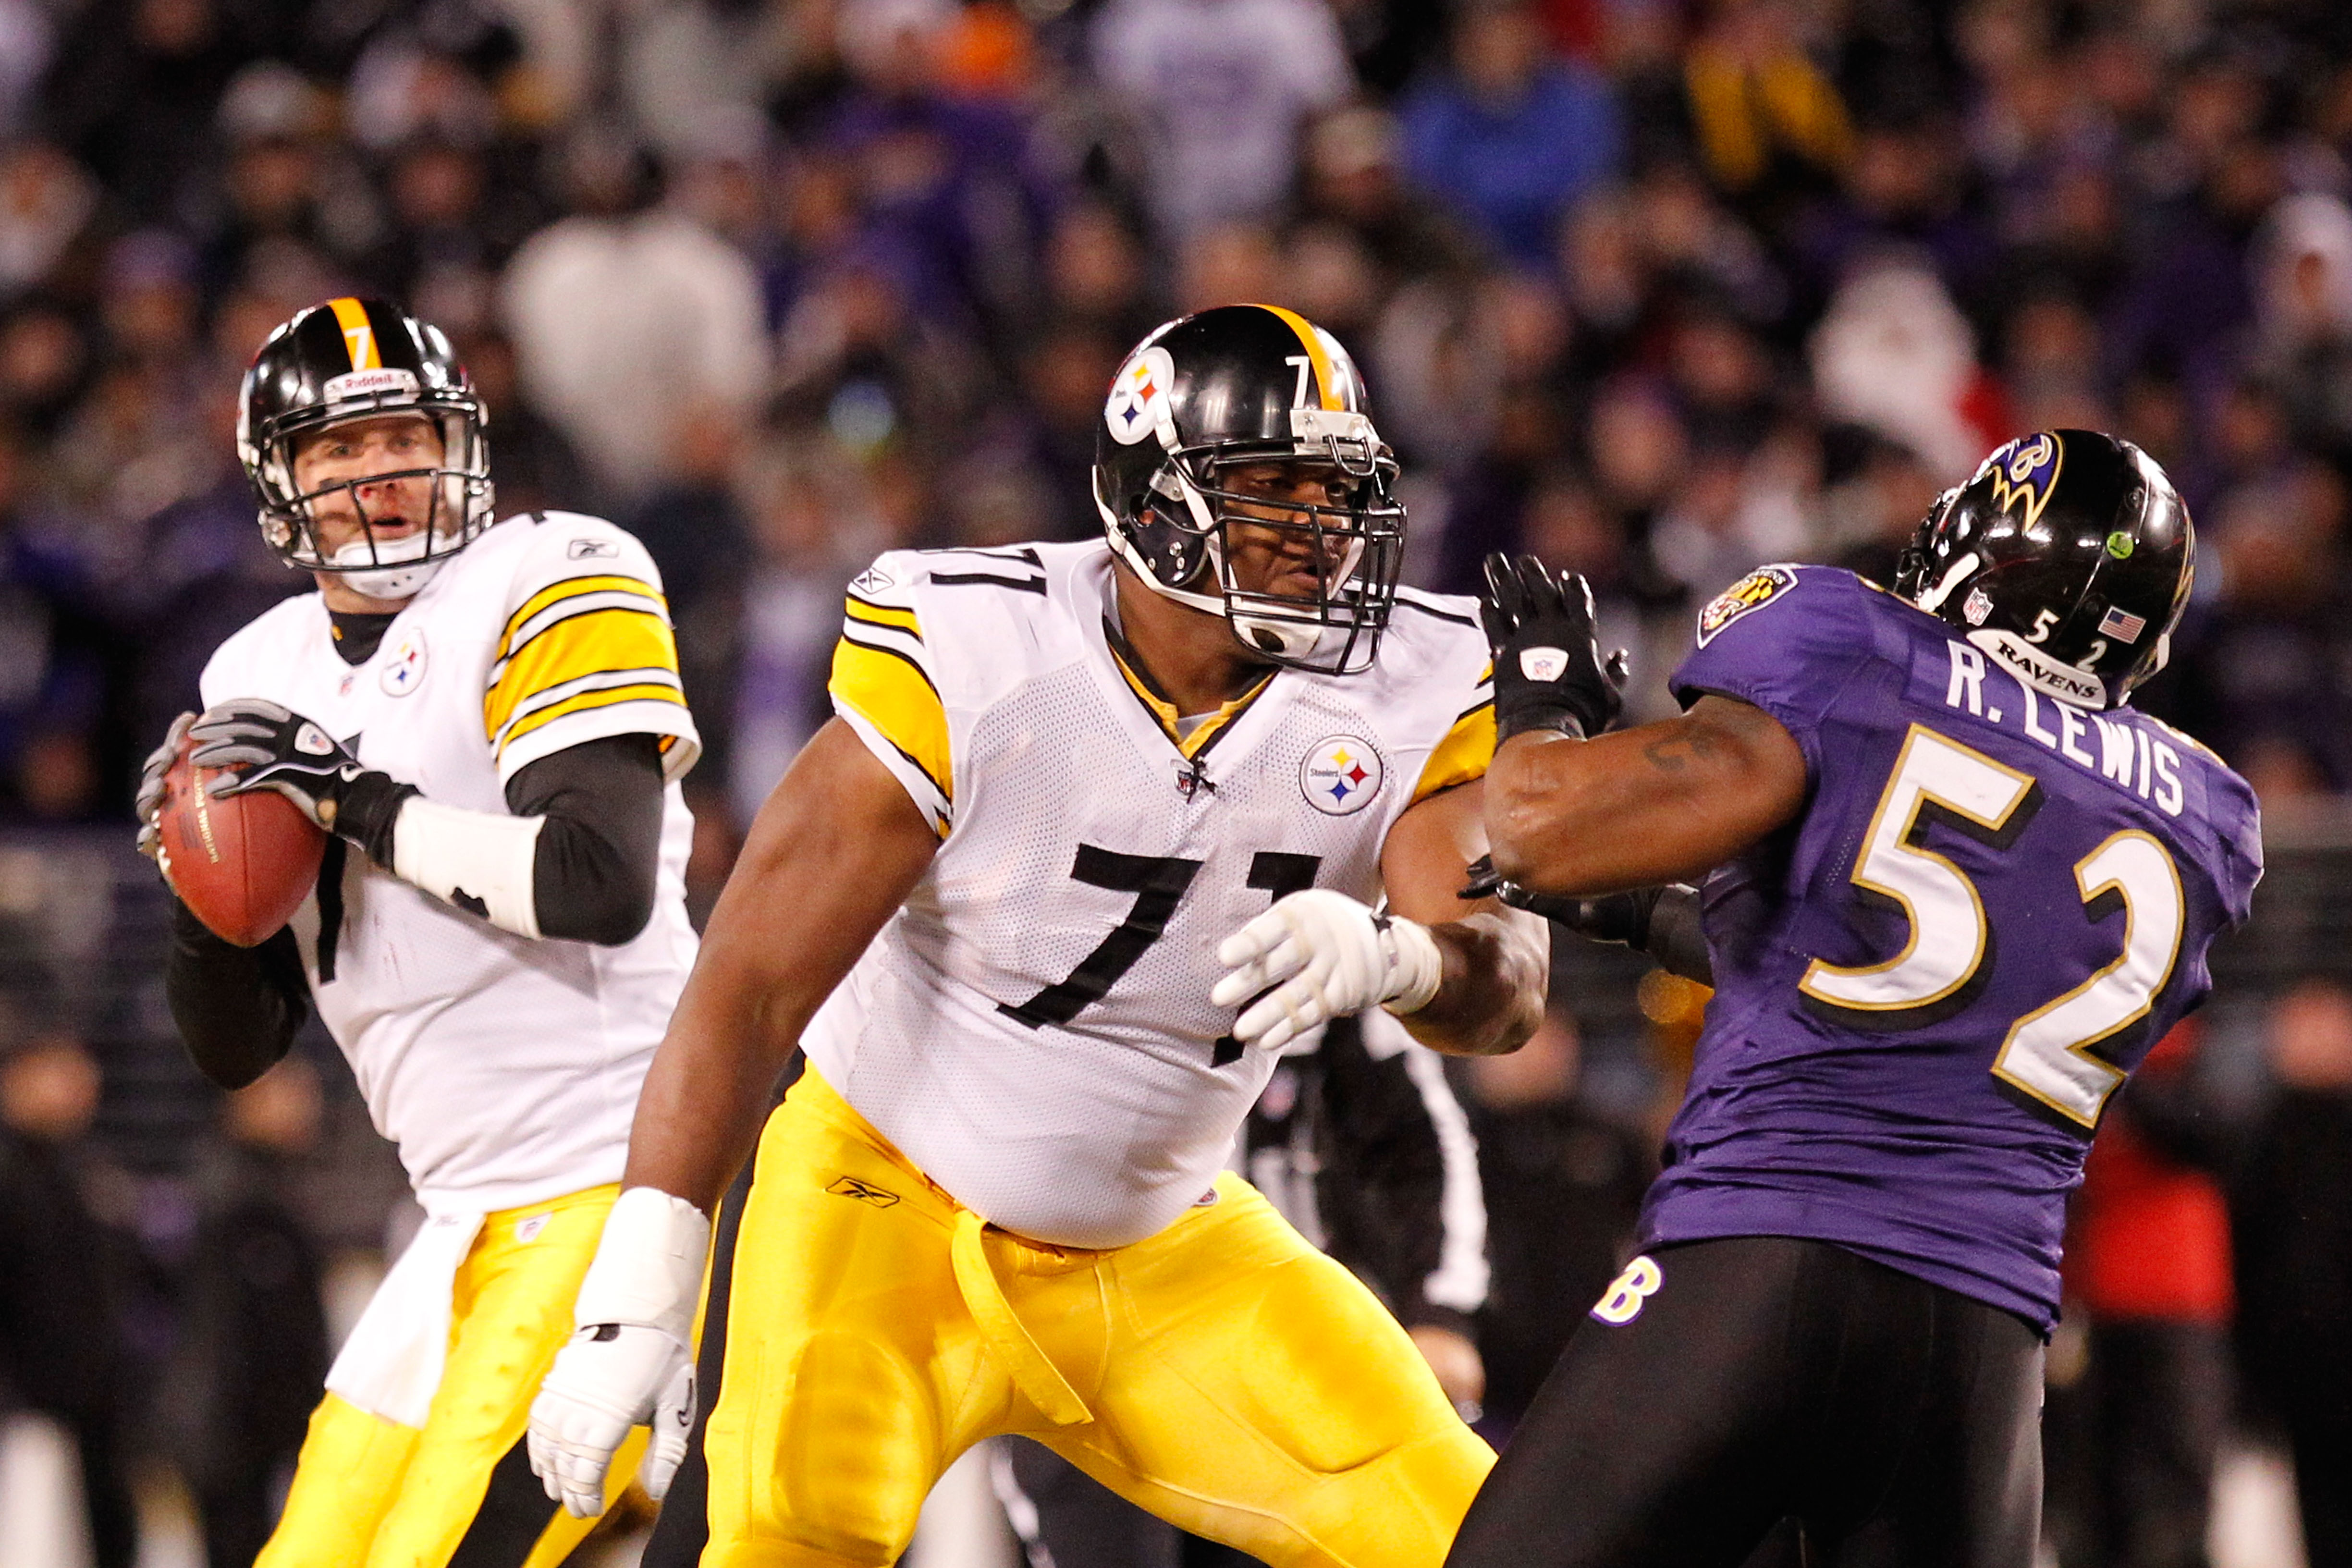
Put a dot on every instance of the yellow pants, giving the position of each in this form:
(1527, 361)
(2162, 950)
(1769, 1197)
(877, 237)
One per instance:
(371, 1491)
(1223, 1374)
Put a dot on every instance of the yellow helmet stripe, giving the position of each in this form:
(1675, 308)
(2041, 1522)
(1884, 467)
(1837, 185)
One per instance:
(359, 333)
(1326, 385)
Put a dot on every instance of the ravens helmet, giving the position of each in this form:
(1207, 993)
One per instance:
(1236, 386)
(2068, 557)
(361, 359)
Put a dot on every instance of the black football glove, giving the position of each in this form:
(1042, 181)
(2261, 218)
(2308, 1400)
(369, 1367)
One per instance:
(149, 805)
(1549, 674)
(1621, 917)
(270, 747)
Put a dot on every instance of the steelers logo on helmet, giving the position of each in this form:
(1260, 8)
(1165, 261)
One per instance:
(1341, 775)
(1238, 473)
(1139, 407)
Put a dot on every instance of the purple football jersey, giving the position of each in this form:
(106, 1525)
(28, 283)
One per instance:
(1929, 986)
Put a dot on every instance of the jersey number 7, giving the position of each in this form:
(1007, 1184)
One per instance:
(2047, 1053)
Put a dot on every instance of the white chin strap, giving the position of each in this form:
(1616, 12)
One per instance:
(393, 581)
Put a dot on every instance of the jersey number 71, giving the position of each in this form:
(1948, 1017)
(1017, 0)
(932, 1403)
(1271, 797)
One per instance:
(1159, 883)
(2047, 1053)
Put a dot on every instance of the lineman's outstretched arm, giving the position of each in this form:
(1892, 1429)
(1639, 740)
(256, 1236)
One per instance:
(834, 853)
(1664, 802)
(1495, 960)
(1467, 977)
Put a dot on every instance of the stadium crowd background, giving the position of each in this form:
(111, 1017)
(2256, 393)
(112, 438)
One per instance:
(1656, 291)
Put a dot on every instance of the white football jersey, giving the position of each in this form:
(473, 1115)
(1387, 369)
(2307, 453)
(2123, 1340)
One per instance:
(1033, 1028)
(506, 1069)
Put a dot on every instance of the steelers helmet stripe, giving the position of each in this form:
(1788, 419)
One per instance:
(359, 333)
(1318, 359)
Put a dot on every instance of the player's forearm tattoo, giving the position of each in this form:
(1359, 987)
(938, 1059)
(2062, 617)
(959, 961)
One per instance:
(1668, 752)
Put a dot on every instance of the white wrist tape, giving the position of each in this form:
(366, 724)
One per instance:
(469, 857)
(649, 1265)
(1415, 967)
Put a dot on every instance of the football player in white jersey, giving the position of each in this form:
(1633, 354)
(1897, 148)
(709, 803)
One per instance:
(1097, 831)
(488, 721)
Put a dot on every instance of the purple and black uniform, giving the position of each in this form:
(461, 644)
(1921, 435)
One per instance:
(1928, 986)
(1862, 1079)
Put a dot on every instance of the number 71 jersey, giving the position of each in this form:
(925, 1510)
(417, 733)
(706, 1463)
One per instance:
(1929, 988)
(1033, 1028)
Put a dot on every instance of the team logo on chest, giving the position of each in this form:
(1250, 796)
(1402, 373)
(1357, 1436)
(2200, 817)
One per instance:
(403, 664)
(1341, 776)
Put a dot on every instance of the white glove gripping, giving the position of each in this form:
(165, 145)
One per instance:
(1324, 956)
(630, 1360)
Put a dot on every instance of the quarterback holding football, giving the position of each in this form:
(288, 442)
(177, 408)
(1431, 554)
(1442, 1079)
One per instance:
(1097, 831)
(485, 719)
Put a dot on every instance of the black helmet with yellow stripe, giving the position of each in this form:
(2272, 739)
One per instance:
(1238, 386)
(362, 359)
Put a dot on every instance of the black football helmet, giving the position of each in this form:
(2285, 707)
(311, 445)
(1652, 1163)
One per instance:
(1248, 384)
(2068, 557)
(360, 359)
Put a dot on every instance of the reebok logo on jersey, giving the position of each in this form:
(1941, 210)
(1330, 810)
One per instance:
(864, 1192)
(592, 549)
(1621, 1303)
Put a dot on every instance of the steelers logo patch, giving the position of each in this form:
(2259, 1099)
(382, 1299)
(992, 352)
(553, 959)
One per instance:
(403, 667)
(1341, 776)
(1139, 403)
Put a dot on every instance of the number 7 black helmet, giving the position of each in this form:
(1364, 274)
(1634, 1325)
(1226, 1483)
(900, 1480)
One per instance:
(2068, 557)
(354, 359)
(1246, 384)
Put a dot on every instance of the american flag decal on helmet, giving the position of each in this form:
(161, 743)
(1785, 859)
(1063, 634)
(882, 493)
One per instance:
(2121, 625)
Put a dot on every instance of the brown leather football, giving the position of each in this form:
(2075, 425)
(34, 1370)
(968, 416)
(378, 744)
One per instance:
(243, 864)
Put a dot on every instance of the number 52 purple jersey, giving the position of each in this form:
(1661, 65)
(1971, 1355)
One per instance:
(1929, 985)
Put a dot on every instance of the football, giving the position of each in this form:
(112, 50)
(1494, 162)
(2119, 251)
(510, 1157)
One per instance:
(244, 864)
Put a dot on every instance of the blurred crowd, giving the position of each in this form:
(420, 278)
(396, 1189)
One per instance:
(1656, 289)
(1659, 289)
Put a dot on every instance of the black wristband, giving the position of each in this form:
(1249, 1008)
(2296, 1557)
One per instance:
(1527, 711)
(366, 810)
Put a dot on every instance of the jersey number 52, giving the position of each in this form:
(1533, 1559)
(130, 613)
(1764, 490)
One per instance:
(2047, 1053)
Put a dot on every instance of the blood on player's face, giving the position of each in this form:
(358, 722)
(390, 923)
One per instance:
(356, 450)
(1292, 562)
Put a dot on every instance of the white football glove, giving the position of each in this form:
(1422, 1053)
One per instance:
(630, 1362)
(1324, 956)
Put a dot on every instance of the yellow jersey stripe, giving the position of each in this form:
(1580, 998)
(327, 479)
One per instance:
(569, 587)
(883, 615)
(359, 333)
(586, 701)
(1316, 358)
(1464, 755)
(611, 639)
(891, 692)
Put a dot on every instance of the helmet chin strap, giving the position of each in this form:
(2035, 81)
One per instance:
(393, 569)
